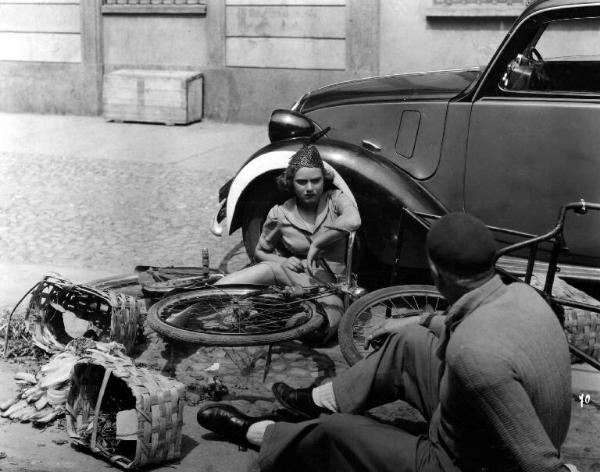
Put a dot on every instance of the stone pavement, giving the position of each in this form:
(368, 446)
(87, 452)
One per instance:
(89, 199)
(79, 192)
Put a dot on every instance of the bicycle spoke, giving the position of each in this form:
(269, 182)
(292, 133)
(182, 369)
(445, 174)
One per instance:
(243, 314)
(399, 306)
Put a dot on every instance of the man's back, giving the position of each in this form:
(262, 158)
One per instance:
(506, 391)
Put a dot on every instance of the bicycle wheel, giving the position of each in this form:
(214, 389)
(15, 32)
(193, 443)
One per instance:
(234, 316)
(391, 302)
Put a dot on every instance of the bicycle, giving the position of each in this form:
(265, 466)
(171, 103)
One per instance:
(156, 282)
(398, 301)
(245, 315)
(413, 300)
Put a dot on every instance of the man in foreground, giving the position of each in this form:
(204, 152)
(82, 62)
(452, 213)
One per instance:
(492, 378)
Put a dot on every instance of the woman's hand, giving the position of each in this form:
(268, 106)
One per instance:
(312, 256)
(294, 264)
(389, 326)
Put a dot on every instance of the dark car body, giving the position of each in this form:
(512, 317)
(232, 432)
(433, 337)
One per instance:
(510, 142)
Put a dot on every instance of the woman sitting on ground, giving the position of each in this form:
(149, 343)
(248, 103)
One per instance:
(313, 223)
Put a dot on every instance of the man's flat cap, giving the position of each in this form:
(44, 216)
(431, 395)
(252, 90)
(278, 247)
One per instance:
(461, 244)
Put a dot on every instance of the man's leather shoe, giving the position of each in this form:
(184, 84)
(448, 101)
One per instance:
(297, 400)
(227, 421)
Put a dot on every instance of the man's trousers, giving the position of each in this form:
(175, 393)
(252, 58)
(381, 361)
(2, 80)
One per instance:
(405, 368)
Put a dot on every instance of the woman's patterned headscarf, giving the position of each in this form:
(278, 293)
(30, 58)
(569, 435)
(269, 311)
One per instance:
(307, 156)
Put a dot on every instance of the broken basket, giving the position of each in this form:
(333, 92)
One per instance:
(128, 415)
(56, 305)
(583, 330)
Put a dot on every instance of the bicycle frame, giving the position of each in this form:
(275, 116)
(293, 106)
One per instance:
(555, 238)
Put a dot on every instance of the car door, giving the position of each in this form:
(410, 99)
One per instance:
(534, 132)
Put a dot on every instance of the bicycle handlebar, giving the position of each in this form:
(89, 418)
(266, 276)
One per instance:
(581, 208)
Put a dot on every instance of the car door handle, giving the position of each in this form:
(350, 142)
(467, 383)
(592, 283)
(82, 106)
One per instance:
(371, 146)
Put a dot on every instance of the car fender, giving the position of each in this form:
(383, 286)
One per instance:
(379, 188)
(263, 162)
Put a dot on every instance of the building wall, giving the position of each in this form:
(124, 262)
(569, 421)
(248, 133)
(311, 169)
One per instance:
(40, 32)
(414, 39)
(311, 35)
(273, 51)
(163, 41)
(44, 57)
(256, 55)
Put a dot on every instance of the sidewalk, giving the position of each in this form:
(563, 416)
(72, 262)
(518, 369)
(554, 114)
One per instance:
(88, 199)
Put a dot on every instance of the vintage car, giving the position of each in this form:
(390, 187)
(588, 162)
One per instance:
(510, 143)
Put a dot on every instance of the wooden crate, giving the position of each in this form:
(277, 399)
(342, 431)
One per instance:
(155, 96)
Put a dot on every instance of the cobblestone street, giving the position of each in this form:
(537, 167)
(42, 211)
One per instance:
(100, 198)
(106, 207)
(113, 214)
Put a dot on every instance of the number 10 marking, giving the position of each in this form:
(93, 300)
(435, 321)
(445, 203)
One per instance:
(584, 399)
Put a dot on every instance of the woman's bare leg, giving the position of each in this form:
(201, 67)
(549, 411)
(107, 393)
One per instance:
(260, 274)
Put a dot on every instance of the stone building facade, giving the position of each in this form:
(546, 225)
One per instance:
(256, 55)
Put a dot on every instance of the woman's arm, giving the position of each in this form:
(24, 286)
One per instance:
(262, 254)
(322, 240)
(348, 220)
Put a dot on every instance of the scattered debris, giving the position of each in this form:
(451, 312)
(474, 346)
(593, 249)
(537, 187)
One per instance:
(43, 396)
(214, 391)
(19, 343)
(2, 455)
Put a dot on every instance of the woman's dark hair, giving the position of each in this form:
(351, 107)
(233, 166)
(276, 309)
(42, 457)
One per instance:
(307, 156)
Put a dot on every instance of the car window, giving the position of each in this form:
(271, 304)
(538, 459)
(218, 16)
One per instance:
(563, 57)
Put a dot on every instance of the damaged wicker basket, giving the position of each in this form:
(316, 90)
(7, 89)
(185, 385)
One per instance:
(60, 311)
(583, 330)
(128, 415)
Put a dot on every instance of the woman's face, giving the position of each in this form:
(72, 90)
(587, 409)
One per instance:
(308, 185)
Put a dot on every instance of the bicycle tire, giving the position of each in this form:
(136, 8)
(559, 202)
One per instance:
(404, 300)
(214, 305)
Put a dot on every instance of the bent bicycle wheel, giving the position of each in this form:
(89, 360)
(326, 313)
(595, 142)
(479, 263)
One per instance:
(391, 302)
(234, 316)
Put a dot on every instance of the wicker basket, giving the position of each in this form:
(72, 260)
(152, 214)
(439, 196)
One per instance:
(582, 327)
(112, 316)
(100, 388)
(583, 330)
